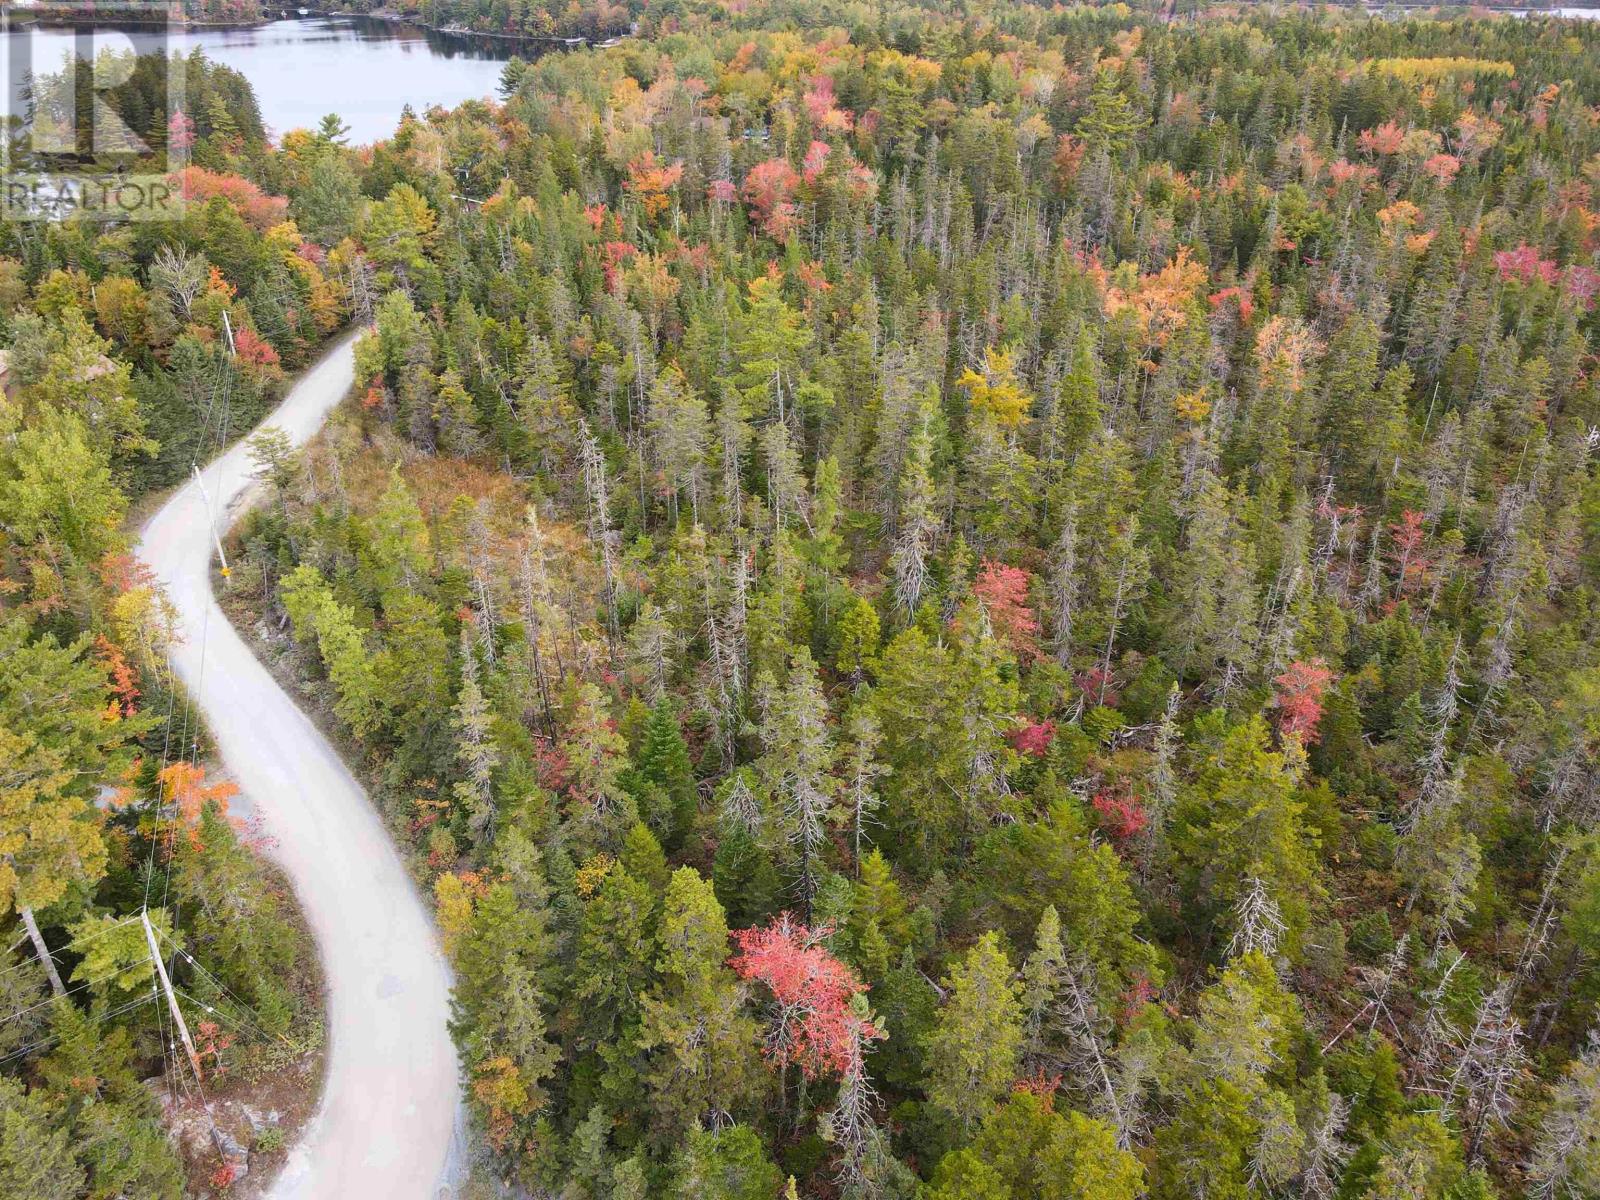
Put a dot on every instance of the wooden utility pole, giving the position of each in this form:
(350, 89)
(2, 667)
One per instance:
(41, 949)
(211, 517)
(172, 1000)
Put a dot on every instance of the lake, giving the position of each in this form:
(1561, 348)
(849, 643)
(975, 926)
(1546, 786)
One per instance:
(364, 69)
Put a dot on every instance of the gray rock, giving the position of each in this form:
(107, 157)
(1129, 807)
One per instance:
(233, 1154)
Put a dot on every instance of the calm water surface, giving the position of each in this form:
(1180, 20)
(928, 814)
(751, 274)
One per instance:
(366, 70)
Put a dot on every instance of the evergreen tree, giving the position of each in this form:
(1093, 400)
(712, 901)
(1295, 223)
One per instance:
(59, 742)
(701, 1046)
(498, 1009)
(973, 1051)
(1111, 122)
(1243, 820)
(476, 750)
(95, 1094)
(36, 1157)
(1236, 1127)
(615, 958)
(663, 760)
(1027, 1149)
(725, 1164)
(799, 755)
(317, 615)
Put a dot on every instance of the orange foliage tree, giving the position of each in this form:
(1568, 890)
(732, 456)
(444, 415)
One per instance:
(184, 788)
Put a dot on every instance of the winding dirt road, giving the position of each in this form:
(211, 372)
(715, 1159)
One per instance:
(386, 1125)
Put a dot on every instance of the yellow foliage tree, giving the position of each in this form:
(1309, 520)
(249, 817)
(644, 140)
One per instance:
(996, 392)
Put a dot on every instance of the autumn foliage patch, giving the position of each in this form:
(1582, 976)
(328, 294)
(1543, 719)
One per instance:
(815, 1027)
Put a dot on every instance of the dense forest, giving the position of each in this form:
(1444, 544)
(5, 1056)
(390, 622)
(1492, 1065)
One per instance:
(589, 19)
(115, 380)
(955, 606)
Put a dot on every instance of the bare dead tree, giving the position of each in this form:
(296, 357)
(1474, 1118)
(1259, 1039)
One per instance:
(1326, 1151)
(1489, 1069)
(598, 489)
(1258, 923)
(1564, 1163)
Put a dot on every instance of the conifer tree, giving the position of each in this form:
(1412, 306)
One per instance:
(974, 1049)
(400, 539)
(1244, 822)
(615, 960)
(663, 760)
(680, 431)
(1235, 1129)
(1111, 122)
(499, 1008)
(476, 750)
(799, 755)
(701, 1046)
(861, 771)
(724, 1164)
(1025, 1148)
(35, 1155)
(317, 615)
(1565, 1159)
(918, 523)
(596, 756)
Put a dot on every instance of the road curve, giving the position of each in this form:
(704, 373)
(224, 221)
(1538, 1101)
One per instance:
(386, 1124)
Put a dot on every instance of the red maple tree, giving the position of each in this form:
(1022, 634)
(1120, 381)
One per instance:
(1299, 699)
(254, 349)
(822, 110)
(1525, 265)
(180, 131)
(1120, 814)
(255, 206)
(1245, 301)
(375, 395)
(1385, 139)
(1410, 563)
(1003, 591)
(816, 161)
(1098, 686)
(124, 676)
(815, 1026)
(184, 787)
(1034, 739)
(651, 183)
(612, 256)
(769, 191)
(1582, 284)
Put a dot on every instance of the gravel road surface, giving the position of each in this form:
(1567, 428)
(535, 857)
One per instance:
(386, 1127)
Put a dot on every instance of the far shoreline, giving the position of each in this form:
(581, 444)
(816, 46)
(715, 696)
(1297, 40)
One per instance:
(61, 17)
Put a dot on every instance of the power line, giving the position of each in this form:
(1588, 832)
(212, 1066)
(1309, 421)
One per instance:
(166, 748)
(55, 954)
(172, 1003)
(213, 437)
(191, 695)
(56, 1037)
(71, 991)
(181, 1026)
(167, 1050)
(243, 1027)
(217, 983)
